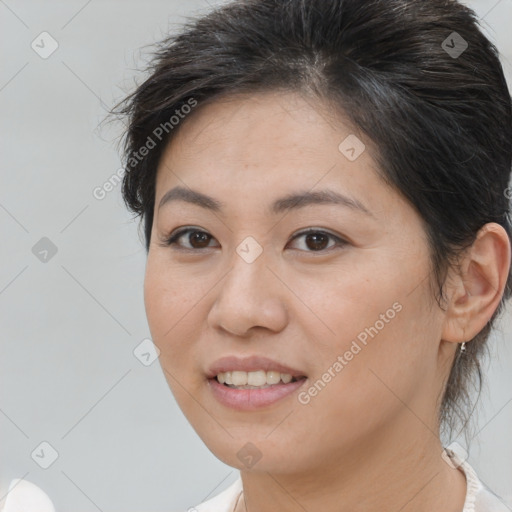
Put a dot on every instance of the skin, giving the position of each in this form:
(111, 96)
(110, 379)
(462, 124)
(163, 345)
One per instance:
(369, 440)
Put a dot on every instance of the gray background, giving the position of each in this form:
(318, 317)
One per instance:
(69, 325)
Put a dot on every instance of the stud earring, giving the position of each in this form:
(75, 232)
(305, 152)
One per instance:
(463, 347)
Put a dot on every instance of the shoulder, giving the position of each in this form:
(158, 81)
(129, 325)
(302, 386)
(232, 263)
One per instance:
(25, 496)
(478, 497)
(28, 497)
(222, 502)
(487, 501)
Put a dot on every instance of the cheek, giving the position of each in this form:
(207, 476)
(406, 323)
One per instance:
(172, 307)
(169, 304)
(379, 354)
(168, 295)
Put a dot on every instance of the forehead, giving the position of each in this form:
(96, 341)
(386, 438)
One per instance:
(253, 155)
(264, 131)
(250, 148)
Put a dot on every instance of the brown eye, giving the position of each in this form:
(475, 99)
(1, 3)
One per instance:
(199, 239)
(196, 239)
(316, 241)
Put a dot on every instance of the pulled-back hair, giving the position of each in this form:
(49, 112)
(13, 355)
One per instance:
(417, 77)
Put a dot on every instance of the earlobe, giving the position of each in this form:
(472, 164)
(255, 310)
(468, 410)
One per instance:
(479, 289)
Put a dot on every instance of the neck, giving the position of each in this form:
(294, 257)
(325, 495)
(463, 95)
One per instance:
(405, 473)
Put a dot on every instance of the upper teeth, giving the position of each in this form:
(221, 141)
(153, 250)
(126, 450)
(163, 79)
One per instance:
(257, 378)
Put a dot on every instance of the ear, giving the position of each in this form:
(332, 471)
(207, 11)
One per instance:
(477, 291)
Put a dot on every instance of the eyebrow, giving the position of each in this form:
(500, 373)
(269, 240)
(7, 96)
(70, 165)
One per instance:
(289, 202)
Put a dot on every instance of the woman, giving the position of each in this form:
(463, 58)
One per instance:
(323, 186)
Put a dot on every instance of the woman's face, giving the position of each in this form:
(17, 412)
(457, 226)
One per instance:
(348, 305)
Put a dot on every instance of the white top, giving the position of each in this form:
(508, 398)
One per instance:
(24, 496)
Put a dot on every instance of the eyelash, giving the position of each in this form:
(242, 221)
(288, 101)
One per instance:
(173, 239)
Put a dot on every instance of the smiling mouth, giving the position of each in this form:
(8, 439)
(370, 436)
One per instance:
(259, 379)
(250, 391)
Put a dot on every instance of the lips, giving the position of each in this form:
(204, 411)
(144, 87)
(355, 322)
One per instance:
(250, 364)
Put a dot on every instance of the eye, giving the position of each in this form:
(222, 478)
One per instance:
(317, 240)
(197, 239)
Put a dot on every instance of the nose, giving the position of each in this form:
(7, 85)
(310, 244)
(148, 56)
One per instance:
(250, 297)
